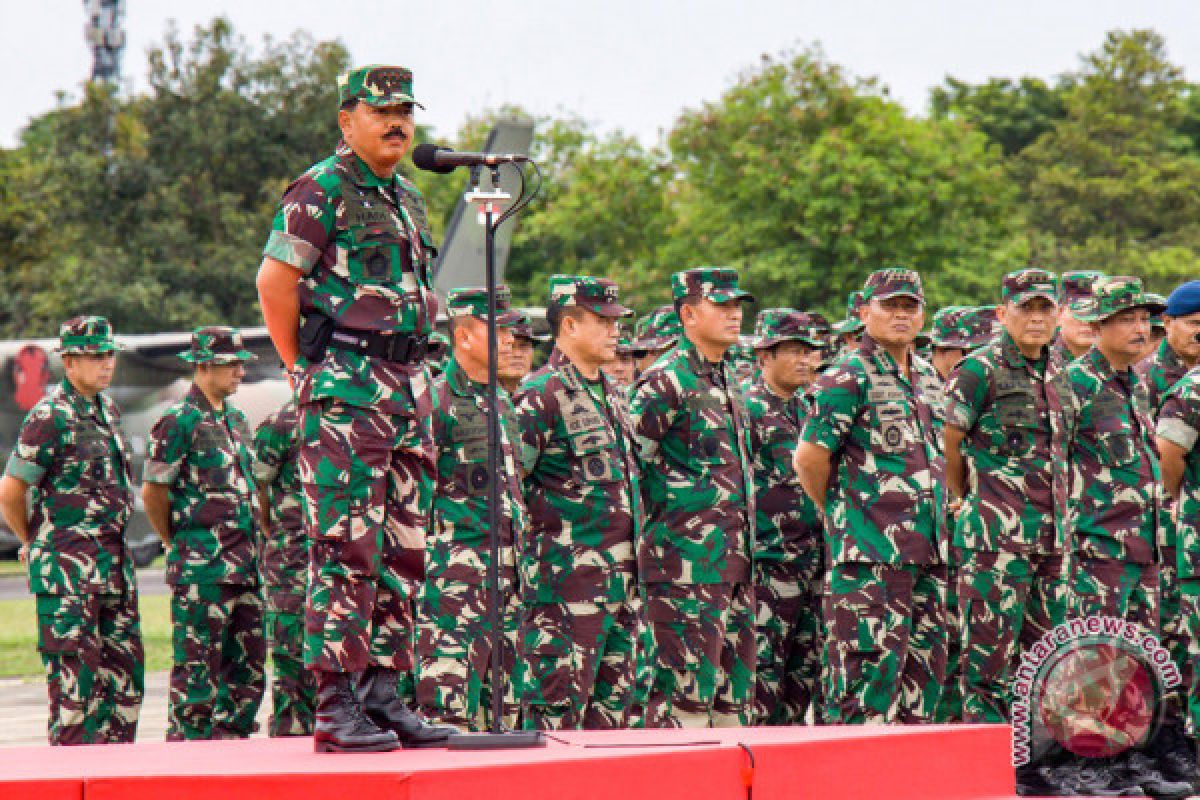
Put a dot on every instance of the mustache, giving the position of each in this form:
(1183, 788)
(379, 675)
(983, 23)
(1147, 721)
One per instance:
(396, 133)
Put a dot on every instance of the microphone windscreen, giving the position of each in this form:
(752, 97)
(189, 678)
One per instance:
(424, 156)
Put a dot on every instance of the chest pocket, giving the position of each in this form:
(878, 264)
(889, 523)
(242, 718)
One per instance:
(708, 436)
(1016, 420)
(891, 432)
(93, 456)
(214, 457)
(1116, 449)
(591, 443)
(377, 255)
(470, 433)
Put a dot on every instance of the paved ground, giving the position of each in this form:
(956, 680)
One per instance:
(23, 711)
(150, 581)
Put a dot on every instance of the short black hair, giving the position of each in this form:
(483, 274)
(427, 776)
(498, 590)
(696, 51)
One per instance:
(556, 314)
(349, 105)
(689, 300)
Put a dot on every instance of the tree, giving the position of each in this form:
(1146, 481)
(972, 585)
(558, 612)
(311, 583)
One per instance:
(1011, 114)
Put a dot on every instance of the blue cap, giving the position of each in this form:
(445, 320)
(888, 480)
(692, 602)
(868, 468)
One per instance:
(1184, 300)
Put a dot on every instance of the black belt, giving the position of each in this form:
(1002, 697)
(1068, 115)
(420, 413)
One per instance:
(398, 347)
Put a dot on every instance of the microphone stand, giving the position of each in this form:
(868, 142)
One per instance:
(496, 738)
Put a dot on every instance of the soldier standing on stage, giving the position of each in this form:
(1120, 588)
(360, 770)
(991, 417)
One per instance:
(283, 563)
(789, 564)
(870, 455)
(581, 488)
(694, 559)
(346, 289)
(1008, 417)
(200, 497)
(453, 630)
(70, 451)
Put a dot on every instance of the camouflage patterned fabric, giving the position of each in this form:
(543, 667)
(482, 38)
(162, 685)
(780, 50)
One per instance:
(71, 452)
(578, 564)
(284, 568)
(851, 324)
(884, 519)
(219, 650)
(453, 644)
(1158, 373)
(216, 344)
(1073, 288)
(1179, 423)
(788, 561)
(366, 253)
(695, 556)
(1016, 415)
(658, 329)
(1116, 492)
(376, 85)
(203, 455)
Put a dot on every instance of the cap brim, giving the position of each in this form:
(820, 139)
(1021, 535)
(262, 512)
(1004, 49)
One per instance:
(610, 310)
(764, 342)
(1021, 298)
(657, 343)
(725, 295)
(391, 100)
(104, 348)
(902, 293)
(848, 326)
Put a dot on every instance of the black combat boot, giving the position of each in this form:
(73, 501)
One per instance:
(1142, 770)
(1174, 751)
(377, 693)
(342, 726)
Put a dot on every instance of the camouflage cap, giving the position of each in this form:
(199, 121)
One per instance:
(660, 328)
(949, 328)
(473, 302)
(80, 335)
(719, 284)
(1077, 285)
(852, 324)
(1112, 296)
(598, 295)
(523, 329)
(893, 282)
(1157, 319)
(775, 325)
(984, 324)
(217, 344)
(1026, 284)
(377, 85)
(625, 346)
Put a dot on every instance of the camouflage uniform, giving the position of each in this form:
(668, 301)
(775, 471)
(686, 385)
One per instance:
(885, 612)
(71, 452)
(694, 558)
(365, 251)
(1115, 478)
(204, 456)
(1179, 423)
(1015, 414)
(284, 567)
(659, 329)
(850, 326)
(789, 564)
(577, 565)
(453, 625)
(1074, 287)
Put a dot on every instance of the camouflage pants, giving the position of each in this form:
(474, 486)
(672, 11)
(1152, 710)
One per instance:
(367, 479)
(454, 653)
(788, 625)
(886, 642)
(950, 704)
(704, 653)
(1173, 629)
(1189, 611)
(1103, 587)
(1008, 602)
(643, 670)
(217, 680)
(579, 665)
(293, 688)
(91, 645)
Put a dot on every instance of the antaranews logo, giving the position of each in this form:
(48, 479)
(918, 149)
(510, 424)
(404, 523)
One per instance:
(1092, 685)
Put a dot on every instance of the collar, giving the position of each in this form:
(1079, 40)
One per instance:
(199, 399)
(357, 169)
(872, 349)
(1104, 370)
(82, 406)
(572, 378)
(700, 365)
(1013, 355)
(1170, 360)
(460, 383)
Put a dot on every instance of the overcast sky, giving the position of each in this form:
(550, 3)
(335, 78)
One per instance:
(629, 64)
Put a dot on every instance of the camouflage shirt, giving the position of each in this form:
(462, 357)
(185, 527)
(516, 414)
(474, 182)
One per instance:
(1017, 415)
(1179, 422)
(366, 254)
(457, 548)
(1158, 372)
(581, 486)
(886, 498)
(71, 452)
(203, 455)
(1115, 474)
(284, 556)
(787, 521)
(698, 484)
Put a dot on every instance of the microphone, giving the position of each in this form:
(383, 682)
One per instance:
(443, 160)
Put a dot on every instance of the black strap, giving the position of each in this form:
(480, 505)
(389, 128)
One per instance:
(398, 347)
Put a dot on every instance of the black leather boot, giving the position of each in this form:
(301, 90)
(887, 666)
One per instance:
(1142, 770)
(342, 726)
(1174, 752)
(377, 693)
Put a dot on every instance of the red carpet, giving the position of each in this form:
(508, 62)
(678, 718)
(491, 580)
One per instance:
(896, 763)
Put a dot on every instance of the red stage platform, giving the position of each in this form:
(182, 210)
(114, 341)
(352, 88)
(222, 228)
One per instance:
(897, 763)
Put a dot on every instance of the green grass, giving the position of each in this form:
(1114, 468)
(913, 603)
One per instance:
(18, 636)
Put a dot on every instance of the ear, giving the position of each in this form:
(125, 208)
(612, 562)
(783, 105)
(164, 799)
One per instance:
(1002, 313)
(344, 121)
